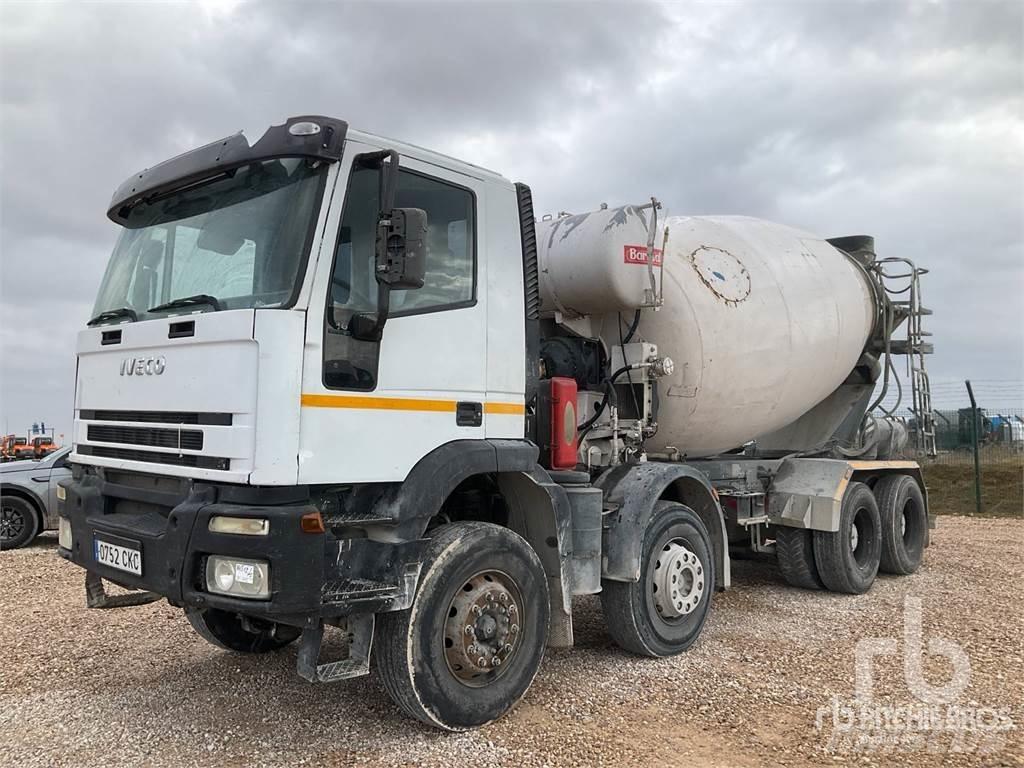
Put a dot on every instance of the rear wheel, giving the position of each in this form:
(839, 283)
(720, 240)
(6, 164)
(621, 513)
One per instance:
(848, 559)
(794, 548)
(904, 523)
(242, 634)
(663, 613)
(470, 645)
(19, 523)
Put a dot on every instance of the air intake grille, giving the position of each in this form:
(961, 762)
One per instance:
(528, 234)
(190, 439)
(159, 417)
(151, 457)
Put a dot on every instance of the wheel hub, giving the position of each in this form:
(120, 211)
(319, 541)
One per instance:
(854, 537)
(482, 629)
(11, 523)
(678, 581)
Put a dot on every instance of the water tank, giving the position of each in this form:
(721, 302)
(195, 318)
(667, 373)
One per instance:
(763, 321)
(593, 263)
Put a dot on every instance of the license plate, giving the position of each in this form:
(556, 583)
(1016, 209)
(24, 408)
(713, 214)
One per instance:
(116, 556)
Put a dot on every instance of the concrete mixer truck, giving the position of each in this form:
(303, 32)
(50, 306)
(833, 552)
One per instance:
(337, 383)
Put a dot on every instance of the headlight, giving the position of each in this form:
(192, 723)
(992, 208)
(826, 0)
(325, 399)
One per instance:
(62, 494)
(249, 526)
(238, 577)
(64, 537)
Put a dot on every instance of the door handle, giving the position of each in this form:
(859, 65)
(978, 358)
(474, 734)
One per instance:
(469, 414)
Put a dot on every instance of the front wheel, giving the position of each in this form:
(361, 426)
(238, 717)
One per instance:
(242, 634)
(470, 645)
(664, 612)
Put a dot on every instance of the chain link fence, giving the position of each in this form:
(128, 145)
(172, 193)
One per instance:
(958, 483)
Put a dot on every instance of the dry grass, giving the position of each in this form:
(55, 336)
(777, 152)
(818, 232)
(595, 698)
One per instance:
(951, 487)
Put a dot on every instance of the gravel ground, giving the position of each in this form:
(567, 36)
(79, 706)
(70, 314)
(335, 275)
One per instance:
(137, 686)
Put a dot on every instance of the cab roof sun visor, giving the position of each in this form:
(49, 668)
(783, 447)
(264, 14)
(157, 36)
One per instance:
(312, 136)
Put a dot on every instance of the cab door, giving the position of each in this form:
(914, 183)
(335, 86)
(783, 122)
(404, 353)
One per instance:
(376, 407)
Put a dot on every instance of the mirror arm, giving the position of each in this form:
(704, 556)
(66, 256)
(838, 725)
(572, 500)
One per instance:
(380, 317)
(386, 203)
(388, 182)
(383, 308)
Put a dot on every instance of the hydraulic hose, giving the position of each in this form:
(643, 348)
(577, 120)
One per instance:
(609, 394)
(632, 329)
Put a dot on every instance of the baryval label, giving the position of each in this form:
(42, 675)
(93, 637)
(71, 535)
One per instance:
(637, 254)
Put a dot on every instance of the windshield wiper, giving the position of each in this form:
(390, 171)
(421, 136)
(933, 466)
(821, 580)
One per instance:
(112, 314)
(189, 301)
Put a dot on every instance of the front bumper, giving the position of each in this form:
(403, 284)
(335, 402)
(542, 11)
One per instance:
(312, 574)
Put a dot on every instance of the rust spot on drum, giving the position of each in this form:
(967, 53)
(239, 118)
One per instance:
(722, 272)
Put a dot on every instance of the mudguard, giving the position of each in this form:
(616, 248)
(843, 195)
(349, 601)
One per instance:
(632, 490)
(539, 508)
(413, 502)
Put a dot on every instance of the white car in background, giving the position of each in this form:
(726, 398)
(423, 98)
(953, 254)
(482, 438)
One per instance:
(28, 497)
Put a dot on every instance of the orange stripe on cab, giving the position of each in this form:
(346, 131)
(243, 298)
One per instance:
(401, 404)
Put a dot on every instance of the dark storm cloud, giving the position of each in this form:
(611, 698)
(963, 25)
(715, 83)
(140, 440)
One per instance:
(903, 120)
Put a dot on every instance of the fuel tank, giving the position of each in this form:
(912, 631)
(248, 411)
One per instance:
(763, 321)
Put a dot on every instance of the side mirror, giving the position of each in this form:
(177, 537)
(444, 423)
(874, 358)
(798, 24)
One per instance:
(400, 252)
(401, 248)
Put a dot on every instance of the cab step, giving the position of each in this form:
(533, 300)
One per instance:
(357, 663)
(355, 518)
(351, 590)
(96, 596)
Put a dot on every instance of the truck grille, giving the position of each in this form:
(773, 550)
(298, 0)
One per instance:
(152, 457)
(154, 429)
(159, 417)
(190, 439)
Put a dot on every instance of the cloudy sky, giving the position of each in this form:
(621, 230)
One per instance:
(902, 120)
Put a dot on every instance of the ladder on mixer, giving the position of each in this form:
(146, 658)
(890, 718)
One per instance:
(915, 346)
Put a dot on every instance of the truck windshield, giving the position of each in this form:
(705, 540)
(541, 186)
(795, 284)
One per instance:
(240, 238)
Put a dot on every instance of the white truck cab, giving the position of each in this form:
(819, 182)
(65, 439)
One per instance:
(286, 248)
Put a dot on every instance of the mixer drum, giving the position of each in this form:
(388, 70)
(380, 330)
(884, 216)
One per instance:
(762, 320)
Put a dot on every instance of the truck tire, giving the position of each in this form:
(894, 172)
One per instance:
(664, 612)
(794, 548)
(471, 643)
(19, 523)
(904, 523)
(848, 559)
(233, 633)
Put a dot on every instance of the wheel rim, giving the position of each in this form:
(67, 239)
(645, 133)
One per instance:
(861, 537)
(12, 524)
(483, 628)
(677, 583)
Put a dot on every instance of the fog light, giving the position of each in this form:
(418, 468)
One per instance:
(62, 494)
(64, 537)
(238, 577)
(247, 526)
